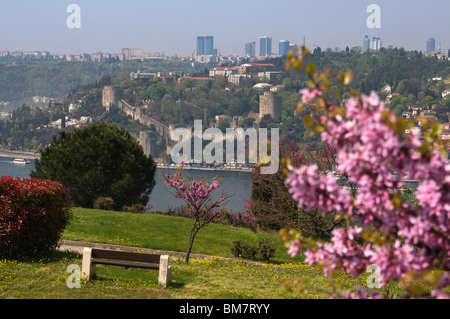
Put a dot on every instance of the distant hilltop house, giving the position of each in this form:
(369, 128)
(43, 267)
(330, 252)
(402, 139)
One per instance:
(387, 88)
(446, 93)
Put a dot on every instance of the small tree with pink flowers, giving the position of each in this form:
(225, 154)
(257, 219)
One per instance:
(408, 244)
(197, 196)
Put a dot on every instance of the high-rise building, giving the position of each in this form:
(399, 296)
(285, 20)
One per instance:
(205, 45)
(200, 45)
(209, 45)
(366, 44)
(431, 44)
(376, 44)
(250, 49)
(265, 46)
(283, 47)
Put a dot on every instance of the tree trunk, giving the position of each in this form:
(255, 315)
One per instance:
(191, 242)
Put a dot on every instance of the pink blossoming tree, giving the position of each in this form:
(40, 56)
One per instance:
(406, 242)
(197, 196)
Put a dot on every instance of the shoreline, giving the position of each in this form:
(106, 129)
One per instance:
(207, 169)
(19, 154)
(33, 156)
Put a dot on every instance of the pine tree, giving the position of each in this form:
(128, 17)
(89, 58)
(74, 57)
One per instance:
(99, 160)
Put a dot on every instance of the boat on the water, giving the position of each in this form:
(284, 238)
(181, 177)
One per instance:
(21, 161)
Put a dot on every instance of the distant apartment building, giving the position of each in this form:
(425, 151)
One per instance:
(222, 71)
(265, 46)
(126, 52)
(269, 75)
(240, 80)
(283, 47)
(133, 53)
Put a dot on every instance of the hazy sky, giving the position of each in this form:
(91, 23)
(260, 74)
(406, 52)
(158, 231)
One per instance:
(171, 26)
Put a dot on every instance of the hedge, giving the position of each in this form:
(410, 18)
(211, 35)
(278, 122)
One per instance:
(33, 215)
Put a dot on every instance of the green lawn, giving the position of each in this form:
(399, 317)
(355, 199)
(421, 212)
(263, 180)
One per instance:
(203, 278)
(208, 278)
(162, 232)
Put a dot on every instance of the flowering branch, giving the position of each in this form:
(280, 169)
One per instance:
(407, 242)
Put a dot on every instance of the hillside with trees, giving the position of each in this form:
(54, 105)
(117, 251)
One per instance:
(178, 101)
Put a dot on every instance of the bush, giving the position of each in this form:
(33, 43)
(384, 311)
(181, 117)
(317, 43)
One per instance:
(136, 208)
(33, 215)
(264, 250)
(240, 248)
(105, 203)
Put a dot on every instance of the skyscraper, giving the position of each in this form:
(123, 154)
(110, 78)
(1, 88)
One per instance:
(284, 47)
(431, 44)
(200, 45)
(376, 44)
(265, 46)
(205, 45)
(250, 49)
(366, 44)
(209, 45)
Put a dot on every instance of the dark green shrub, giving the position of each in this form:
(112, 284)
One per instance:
(105, 203)
(242, 249)
(265, 250)
(136, 208)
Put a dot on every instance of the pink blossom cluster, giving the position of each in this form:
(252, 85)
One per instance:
(377, 159)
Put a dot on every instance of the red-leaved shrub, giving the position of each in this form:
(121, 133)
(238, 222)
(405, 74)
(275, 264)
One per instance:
(33, 215)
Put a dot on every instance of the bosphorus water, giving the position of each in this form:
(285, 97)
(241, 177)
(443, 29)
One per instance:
(237, 184)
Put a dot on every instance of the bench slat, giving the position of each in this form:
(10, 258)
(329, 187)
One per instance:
(125, 256)
(112, 262)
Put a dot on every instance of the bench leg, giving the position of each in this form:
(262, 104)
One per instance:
(88, 268)
(164, 271)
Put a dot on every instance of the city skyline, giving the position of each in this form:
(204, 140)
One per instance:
(172, 27)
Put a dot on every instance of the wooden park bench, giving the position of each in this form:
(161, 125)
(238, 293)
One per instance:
(94, 256)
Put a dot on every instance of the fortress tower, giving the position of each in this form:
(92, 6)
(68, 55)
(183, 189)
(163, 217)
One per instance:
(270, 103)
(111, 96)
(148, 142)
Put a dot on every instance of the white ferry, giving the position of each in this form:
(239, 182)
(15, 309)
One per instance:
(22, 161)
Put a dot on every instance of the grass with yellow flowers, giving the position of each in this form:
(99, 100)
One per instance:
(206, 278)
(218, 277)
